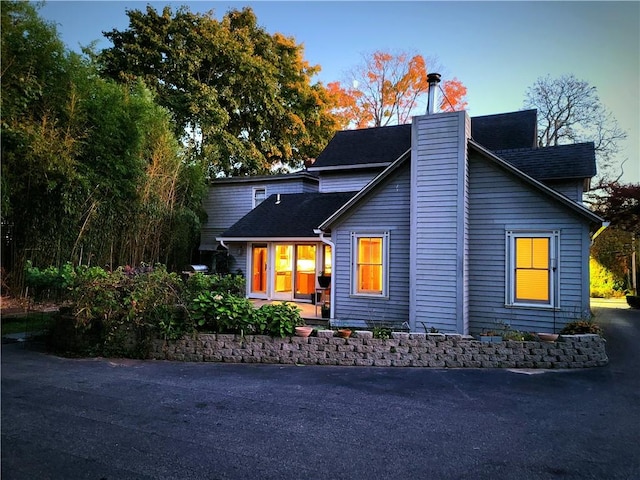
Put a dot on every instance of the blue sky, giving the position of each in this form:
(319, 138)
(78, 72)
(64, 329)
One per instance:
(497, 49)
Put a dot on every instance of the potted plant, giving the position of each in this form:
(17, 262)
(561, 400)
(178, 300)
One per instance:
(324, 280)
(344, 332)
(548, 337)
(304, 331)
(325, 310)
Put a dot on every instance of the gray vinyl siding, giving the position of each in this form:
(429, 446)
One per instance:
(346, 181)
(238, 253)
(385, 209)
(500, 202)
(226, 203)
(438, 221)
(570, 188)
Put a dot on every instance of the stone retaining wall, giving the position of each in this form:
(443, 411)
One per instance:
(401, 350)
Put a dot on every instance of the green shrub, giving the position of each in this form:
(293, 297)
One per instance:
(223, 284)
(125, 310)
(602, 282)
(222, 313)
(382, 333)
(278, 320)
(58, 283)
(519, 336)
(580, 327)
(52, 282)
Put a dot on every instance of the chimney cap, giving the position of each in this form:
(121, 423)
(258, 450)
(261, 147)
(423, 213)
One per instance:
(433, 77)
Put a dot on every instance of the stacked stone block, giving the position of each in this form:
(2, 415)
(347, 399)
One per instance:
(401, 350)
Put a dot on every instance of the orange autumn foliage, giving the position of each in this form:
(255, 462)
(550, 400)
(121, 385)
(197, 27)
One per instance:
(385, 90)
(454, 96)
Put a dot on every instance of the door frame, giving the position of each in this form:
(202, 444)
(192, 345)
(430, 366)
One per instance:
(270, 293)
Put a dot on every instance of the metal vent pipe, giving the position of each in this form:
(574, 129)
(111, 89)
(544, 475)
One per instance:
(434, 80)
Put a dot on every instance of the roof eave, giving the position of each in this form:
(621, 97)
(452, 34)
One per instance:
(304, 175)
(347, 167)
(266, 239)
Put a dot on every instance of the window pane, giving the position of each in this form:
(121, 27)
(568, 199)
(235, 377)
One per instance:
(370, 278)
(259, 195)
(259, 269)
(540, 252)
(532, 285)
(376, 250)
(327, 260)
(532, 269)
(369, 268)
(523, 252)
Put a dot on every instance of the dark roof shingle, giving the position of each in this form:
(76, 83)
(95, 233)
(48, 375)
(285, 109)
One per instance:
(506, 130)
(554, 163)
(512, 136)
(297, 215)
(365, 146)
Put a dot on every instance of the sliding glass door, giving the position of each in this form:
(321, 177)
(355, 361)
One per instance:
(259, 270)
(305, 273)
(283, 272)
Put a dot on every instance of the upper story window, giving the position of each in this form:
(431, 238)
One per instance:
(370, 264)
(259, 194)
(532, 273)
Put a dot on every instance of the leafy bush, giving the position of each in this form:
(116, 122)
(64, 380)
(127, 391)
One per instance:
(222, 313)
(125, 310)
(50, 282)
(602, 282)
(223, 284)
(382, 333)
(520, 336)
(580, 327)
(278, 320)
(58, 283)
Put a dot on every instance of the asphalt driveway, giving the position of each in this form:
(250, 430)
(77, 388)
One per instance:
(123, 419)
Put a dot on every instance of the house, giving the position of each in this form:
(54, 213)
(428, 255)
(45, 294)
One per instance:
(450, 222)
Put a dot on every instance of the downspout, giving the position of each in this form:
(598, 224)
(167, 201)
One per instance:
(326, 241)
(599, 231)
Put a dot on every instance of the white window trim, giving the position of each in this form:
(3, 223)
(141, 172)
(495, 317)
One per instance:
(385, 263)
(253, 195)
(554, 247)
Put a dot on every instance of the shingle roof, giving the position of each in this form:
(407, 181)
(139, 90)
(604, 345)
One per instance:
(297, 215)
(506, 130)
(365, 146)
(510, 135)
(554, 163)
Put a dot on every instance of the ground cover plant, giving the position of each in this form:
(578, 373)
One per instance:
(32, 323)
(579, 327)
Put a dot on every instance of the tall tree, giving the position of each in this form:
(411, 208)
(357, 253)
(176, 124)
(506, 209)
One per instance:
(242, 99)
(91, 169)
(386, 88)
(570, 111)
(617, 249)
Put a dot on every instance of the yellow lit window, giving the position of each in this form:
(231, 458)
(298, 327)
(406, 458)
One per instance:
(532, 268)
(532, 272)
(370, 265)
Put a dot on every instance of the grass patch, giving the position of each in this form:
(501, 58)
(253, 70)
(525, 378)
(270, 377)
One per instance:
(31, 322)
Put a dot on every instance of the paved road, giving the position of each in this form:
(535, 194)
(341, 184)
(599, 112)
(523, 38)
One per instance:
(122, 419)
